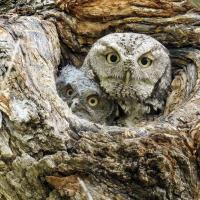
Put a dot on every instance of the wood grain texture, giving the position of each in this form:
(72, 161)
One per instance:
(97, 9)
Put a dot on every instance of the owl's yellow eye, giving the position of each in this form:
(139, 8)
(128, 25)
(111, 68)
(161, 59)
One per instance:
(145, 62)
(69, 92)
(93, 100)
(112, 58)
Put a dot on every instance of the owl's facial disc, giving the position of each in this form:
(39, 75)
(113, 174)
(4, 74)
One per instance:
(128, 71)
(125, 81)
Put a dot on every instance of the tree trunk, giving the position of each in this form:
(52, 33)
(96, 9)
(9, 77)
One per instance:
(46, 152)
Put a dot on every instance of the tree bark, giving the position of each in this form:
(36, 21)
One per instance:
(46, 152)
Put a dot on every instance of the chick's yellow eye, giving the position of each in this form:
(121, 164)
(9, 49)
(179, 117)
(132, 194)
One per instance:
(69, 92)
(112, 58)
(145, 62)
(93, 100)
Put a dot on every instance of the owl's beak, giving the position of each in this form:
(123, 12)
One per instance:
(74, 104)
(127, 77)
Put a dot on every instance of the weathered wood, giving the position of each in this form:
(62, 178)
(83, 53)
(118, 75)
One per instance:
(48, 153)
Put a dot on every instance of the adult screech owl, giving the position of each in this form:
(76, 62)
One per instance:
(133, 68)
(84, 96)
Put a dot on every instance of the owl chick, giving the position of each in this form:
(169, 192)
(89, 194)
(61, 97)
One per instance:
(84, 96)
(133, 68)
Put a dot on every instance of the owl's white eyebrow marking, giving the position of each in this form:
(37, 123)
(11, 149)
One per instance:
(112, 46)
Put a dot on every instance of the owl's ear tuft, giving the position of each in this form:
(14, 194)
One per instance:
(87, 69)
(90, 74)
